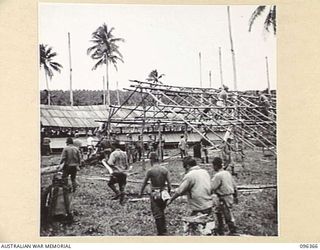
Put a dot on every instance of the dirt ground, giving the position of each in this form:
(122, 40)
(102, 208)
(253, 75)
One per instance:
(97, 215)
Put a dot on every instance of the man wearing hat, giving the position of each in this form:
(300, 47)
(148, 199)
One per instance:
(71, 159)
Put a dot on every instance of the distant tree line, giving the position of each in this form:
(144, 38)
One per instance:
(95, 97)
(86, 97)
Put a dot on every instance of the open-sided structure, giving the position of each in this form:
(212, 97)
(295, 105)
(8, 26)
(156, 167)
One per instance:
(201, 111)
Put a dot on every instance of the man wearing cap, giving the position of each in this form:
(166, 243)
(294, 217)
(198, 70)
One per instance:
(224, 186)
(71, 159)
(159, 177)
(118, 162)
(196, 185)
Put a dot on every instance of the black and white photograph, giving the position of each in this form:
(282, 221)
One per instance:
(158, 120)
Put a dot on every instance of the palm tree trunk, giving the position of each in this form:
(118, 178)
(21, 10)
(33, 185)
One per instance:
(47, 83)
(104, 91)
(107, 79)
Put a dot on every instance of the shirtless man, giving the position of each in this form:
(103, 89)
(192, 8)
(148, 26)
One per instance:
(159, 177)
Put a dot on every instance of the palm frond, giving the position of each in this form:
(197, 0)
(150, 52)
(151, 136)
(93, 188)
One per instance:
(105, 46)
(56, 66)
(255, 14)
(99, 63)
(274, 18)
(46, 60)
(268, 21)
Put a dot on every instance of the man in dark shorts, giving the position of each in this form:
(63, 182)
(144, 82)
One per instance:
(71, 159)
(118, 162)
(159, 177)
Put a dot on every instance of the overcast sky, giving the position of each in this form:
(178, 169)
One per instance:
(163, 37)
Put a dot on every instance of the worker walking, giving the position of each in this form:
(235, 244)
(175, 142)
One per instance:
(159, 177)
(71, 159)
(224, 186)
(183, 146)
(118, 162)
(196, 185)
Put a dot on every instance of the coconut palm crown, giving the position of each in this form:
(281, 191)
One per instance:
(46, 60)
(105, 50)
(154, 77)
(47, 56)
(270, 18)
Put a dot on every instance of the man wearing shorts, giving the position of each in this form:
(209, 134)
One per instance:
(118, 162)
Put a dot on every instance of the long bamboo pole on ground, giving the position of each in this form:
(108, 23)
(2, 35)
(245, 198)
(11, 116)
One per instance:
(241, 187)
(70, 66)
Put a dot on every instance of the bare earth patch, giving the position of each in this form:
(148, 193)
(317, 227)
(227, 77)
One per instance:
(97, 215)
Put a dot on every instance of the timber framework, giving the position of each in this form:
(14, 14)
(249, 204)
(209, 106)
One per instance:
(200, 111)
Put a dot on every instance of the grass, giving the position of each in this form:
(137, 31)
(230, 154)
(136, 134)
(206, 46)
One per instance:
(97, 215)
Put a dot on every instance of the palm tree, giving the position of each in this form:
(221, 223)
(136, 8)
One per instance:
(154, 77)
(105, 50)
(46, 61)
(270, 20)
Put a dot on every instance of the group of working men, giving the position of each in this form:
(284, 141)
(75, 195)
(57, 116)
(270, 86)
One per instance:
(199, 188)
(196, 184)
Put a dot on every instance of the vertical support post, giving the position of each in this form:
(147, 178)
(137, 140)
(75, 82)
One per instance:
(160, 141)
(142, 130)
(268, 79)
(210, 86)
(71, 93)
(200, 69)
(200, 74)
(220, 65)
(232, 52)
(118, 94)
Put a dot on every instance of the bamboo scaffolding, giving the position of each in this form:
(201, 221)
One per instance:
(185, 105)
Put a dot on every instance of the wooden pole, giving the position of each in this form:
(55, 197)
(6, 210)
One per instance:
(160, 141)
(268, 79)
(70, 66)
(210, 79)
(200, 70)
(142, 131)
(220, 65)
(232, 52)
(118, 94)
